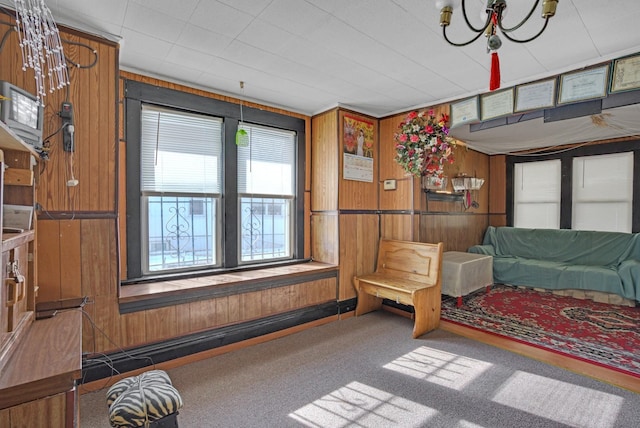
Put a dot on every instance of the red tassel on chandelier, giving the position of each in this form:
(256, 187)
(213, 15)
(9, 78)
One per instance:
(494, 79)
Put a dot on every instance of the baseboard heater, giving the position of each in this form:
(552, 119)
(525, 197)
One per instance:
(103, 366)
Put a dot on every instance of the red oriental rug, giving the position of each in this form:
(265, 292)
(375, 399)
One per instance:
(599, 333)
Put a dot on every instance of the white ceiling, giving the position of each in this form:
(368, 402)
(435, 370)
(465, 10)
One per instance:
(377, 57)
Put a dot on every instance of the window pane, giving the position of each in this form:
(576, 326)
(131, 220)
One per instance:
(267, 165)
(603, 192)
(181, 152)
(537, 194)
(265, 228)
(182, 232)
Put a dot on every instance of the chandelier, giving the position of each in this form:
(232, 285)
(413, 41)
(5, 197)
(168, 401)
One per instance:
(495, 10)
(40, 45)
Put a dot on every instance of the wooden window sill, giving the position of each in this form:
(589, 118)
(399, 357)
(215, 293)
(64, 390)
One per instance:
(150, 295)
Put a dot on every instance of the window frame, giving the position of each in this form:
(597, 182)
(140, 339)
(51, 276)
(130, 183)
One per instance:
(566, 157)
(139, 93)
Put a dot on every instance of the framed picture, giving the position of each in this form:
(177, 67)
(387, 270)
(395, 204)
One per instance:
(358, 148)
(583, 85)
(537, 95)
(464, 111)
(626, 74)
(496, 104)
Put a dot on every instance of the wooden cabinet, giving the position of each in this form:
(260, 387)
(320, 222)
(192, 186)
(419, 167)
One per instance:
(40, 361)
(17, 283)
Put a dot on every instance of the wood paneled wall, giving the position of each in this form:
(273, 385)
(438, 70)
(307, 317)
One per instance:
(81, 229)
(356, 215)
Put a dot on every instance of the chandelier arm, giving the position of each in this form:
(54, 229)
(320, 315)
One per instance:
(526, 18)
(546, 21)
(477, 30)
(444, 33)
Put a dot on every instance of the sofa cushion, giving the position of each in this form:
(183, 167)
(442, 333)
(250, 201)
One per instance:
(555, 275)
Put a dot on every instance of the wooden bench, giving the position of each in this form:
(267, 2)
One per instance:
(407, 273)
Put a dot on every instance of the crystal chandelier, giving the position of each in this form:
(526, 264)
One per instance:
(41, 46)
(495, 11)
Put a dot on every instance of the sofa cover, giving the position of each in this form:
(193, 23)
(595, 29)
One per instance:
(608, 262)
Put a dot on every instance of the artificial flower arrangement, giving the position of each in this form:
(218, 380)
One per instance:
(423, 144)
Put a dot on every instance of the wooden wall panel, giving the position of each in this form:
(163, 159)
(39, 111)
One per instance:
(49, 260)
(352, 194)
(307, 225)
(399, 226)
(389, 169)
(498, 184)
(47, 412)
(401, 198)
(162, 323)
(324, 238)
(457, 232)
(132, 329)
(97, 255)
(92, 93)
(359, 236)
(324, 162)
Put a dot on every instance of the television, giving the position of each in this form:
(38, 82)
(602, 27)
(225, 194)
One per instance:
(22, 112)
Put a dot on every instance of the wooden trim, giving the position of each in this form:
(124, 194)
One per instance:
(154, 354)
(584, 368)
(152, 295)
(178, 362)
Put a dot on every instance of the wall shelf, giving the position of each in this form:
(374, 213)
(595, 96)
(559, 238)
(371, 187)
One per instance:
(444, 196)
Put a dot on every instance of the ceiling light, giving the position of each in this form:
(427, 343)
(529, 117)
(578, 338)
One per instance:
(495, 11)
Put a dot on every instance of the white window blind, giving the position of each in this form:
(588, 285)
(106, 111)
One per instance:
(181, 152)
(267, 165)
(603, 192)
(537, 194)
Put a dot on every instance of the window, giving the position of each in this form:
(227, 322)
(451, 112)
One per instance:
(603, 192)
(196, 202)
(180, 164)
(588, 187)
(266, 193)
(536, 191)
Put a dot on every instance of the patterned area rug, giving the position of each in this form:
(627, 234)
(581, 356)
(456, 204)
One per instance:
(603, 334)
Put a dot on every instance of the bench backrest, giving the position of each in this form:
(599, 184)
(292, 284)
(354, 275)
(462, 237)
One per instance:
(415, 261)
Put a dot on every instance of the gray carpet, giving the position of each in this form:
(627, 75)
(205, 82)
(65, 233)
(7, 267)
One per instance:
(369, 372)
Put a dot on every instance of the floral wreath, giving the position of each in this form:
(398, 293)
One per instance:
(423, 144)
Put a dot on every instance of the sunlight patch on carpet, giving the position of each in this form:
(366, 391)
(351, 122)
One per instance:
(559, 401)
(357, 404)
(442, 368)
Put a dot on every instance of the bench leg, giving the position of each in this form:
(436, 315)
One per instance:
(366, 302)
(427, 303)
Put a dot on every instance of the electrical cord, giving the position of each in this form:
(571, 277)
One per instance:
(107, 360)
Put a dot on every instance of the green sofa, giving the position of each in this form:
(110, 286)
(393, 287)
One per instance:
(560, 259)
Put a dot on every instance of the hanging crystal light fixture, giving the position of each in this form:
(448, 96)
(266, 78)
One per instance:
(41, 46)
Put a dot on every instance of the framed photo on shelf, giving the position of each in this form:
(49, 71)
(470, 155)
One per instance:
(496, 104)
(584, 85)
(535, 96)
(626, 74)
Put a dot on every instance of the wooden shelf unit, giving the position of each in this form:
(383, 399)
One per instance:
(40, 361)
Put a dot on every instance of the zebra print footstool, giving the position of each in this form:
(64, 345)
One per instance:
(147, 400)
